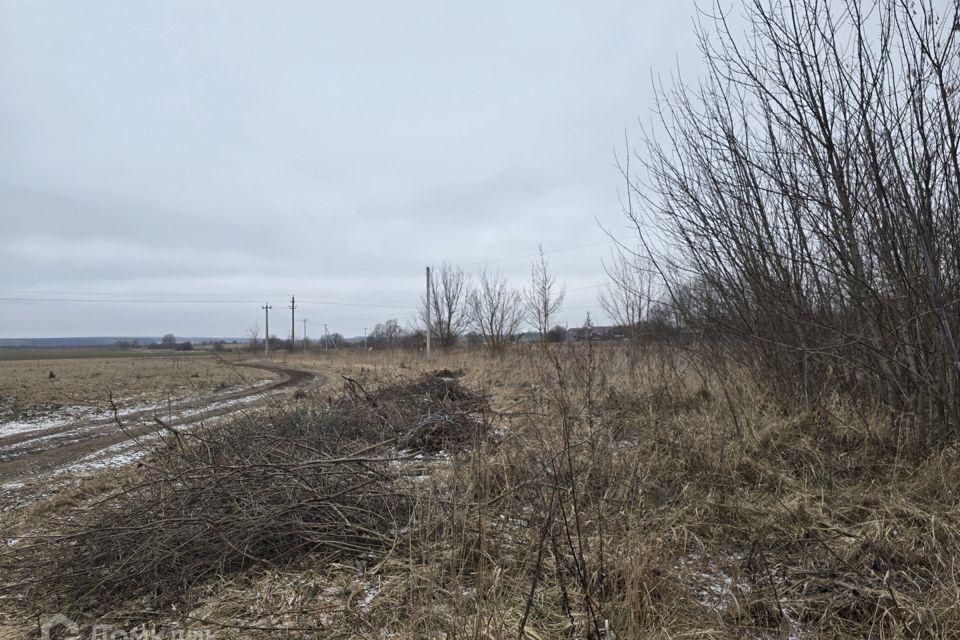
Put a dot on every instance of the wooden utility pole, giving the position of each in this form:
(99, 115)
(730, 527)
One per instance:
(293, 310)
(266, 343)
(428, 312)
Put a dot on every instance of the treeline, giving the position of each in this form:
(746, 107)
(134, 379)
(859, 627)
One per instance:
(491, 312)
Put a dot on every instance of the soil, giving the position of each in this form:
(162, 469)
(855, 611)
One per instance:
(99, 440)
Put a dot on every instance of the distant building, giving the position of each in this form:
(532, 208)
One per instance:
(528, 337)
(579, 334)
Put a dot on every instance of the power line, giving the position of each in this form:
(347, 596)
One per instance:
(206, 298)
(355, 304)
(534, 255)
(127, 301)
(194, 301)
(315, 302)
(497, 260)
(592, 286)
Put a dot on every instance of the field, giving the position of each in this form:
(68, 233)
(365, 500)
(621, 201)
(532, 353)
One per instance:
(91, 377)
(593, 491)
(64, 418)
(80, 354)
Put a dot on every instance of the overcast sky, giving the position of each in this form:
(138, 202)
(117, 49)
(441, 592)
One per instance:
(223, 154)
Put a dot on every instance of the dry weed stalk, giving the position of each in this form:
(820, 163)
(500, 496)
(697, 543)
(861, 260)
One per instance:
(607, 495)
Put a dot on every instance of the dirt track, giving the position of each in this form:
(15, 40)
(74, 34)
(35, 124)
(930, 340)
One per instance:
(99, 440)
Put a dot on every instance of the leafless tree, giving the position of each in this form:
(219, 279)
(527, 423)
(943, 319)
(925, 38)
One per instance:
(496, 310)
(627, 298)
(809, 190)
(543, 297)
(387, 334)
(448, 304)
(253, 336)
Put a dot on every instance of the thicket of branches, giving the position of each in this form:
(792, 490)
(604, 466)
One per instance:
(263, 489)
(809, 190)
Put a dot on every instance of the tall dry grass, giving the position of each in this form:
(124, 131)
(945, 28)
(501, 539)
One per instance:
(620, 492)
(643, 493)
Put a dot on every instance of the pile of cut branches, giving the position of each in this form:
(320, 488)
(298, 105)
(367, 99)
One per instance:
(261, 489)
(435, 413)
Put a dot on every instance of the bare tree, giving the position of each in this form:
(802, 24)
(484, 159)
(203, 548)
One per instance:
(448, 304)
(496, 310)
(543, 297)
(628, 296)
(386, 334)
(253, 336)
(809, 191)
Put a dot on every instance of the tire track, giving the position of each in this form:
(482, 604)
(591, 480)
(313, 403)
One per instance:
(59, 447)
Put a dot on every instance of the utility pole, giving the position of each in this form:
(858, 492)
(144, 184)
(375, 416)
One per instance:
(304, 335)
(266, 343)
(326, 339)
(293, 309)
(364, 338)
(428, 312)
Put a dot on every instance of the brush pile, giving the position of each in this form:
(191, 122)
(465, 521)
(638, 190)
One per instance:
(263, 489)
(435, 413)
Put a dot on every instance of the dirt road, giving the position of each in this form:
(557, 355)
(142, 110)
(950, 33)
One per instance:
(96, 441)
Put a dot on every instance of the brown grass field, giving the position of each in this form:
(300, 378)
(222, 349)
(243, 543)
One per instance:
(89, 380)
(589, 492)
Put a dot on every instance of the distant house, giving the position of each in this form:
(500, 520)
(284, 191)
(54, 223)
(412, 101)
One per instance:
(528, 337)
(579, 334)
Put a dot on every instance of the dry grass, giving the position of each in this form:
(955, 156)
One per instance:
(26, 387)
(616, 494)
(263, 490)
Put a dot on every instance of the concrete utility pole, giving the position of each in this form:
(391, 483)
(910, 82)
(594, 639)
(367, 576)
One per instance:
(364, 338)
(304, 335)
(293, 310)
(326, 339)
(266, 343)
(428, 312)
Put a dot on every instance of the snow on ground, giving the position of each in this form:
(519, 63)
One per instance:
(15, 427)
(75, 413)
(66, 416)
(131, 451)
(94, 462)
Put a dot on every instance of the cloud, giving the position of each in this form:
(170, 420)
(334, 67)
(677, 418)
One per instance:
(332, 148)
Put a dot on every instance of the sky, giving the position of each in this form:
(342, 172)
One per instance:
(173, 166)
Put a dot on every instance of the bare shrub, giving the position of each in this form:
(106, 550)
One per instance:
(810, 188)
